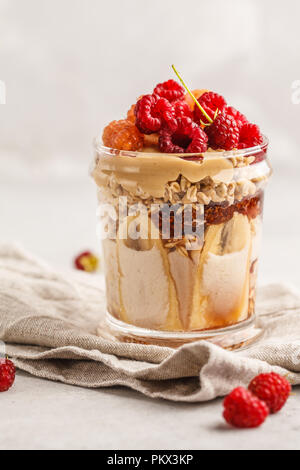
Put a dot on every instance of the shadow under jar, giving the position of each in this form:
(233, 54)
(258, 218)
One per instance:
(180, 239)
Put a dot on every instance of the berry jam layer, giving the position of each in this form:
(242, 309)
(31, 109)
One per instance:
(220, 213)
(213, 214)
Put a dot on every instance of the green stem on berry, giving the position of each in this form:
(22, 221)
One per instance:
(192, 96)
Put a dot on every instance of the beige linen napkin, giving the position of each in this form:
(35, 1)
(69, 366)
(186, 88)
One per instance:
(48, 321)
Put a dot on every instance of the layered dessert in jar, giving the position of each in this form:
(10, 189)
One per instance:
(180, 187)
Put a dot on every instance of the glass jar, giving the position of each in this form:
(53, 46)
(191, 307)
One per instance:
(180, 238)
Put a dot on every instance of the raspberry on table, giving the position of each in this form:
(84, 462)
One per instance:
(211, 102)
(87, 262)
(250, 136)
(223, 133)
(237, 115)
(188, 138)
(170, 90)
(123, 135)
(154, 113)
(7, 374)
(271, 388)
(242, 409)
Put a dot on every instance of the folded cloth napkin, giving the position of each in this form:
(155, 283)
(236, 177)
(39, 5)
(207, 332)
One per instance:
(48, 321)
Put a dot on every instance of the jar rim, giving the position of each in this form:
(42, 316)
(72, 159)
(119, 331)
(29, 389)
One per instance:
(99, 147)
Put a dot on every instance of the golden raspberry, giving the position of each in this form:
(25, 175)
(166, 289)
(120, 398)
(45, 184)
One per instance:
(131, 112)
(197, 93)
(131, 115)
(123, 135)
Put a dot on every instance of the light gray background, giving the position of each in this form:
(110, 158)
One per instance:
(71, 66)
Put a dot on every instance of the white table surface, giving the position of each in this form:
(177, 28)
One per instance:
(56, 220)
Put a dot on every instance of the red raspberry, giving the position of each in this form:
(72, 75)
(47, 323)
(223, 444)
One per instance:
(146, 121)
(170, 90)
(210, 101)
(200, 116)
(250, 136)
(271, 388)
(167, 114)
(213, 100)
(182, 109)
(188, 138)
(223, 133)
(154, 113)
(123, 135)
(239, 117)
(244, 410)
(7, 374)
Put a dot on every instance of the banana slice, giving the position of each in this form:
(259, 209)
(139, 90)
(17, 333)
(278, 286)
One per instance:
(256, 229)
(222, 290)
(147, 291)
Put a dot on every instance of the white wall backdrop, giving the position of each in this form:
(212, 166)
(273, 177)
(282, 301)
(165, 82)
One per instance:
(70, 66)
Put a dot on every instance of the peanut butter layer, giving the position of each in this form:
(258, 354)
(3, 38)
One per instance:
(151, 172)
(149, 175)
